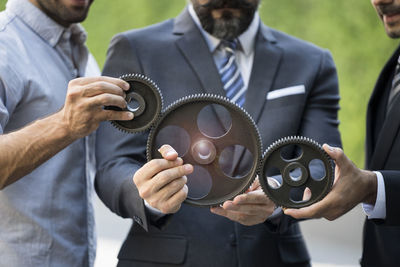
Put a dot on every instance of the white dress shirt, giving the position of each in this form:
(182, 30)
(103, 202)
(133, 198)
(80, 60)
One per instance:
(377, 211)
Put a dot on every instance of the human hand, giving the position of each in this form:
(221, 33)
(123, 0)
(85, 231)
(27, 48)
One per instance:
(83, 109)
(351, 187)
(250, 208)
(162, 182)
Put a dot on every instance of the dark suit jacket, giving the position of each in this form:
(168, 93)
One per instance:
(382, 237)
(175, 55)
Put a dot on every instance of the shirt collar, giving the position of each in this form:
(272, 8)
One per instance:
(43, 25)
(246, 39)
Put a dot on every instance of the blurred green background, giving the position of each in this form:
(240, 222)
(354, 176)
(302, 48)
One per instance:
(350, 29)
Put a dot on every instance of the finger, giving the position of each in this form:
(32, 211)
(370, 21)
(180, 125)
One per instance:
(306, 194)
(107, 100)
(255, 185)
(102, 87)
(317, 210)
(151, 168)
(248, 209)
(175, 202)
(165, 177)
(336, 154)
(86, 80)
(168, 152)
(231, 215)
(219, 211)
(253, 197)
(113, 115)
(172, 188)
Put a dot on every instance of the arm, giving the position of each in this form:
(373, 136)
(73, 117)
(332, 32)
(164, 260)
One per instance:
(26, 149)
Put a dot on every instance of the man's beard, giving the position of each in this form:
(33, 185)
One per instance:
(229, 26)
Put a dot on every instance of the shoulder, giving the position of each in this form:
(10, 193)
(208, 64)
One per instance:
(153, 33)
(298, 49)
(12, 51)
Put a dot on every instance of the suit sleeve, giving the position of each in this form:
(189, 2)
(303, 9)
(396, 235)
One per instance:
(119, 155)
(320, 119)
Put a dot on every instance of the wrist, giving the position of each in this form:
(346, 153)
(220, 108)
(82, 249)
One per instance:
(371, 187)
(57, 126)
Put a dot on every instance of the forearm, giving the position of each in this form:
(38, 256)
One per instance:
(24, 150)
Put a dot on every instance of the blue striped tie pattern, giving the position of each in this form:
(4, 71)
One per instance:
(230, 74)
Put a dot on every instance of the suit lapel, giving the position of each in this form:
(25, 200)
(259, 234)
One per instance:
(267, 57)
(378, 151)
(197, 54)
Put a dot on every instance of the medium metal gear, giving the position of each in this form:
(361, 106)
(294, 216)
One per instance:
(144, 100)
(292, 164)
(218, 138)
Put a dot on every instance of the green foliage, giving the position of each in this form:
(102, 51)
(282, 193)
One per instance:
(349, 29)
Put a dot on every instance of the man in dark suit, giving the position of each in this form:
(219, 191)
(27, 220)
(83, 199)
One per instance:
(378, 190)
(290, 89)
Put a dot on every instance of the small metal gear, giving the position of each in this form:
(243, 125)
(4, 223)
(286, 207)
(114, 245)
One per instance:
(144, 100)
(218, 138)
(292, 164)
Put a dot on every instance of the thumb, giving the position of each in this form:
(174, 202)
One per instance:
(336, 153)
(168, 152)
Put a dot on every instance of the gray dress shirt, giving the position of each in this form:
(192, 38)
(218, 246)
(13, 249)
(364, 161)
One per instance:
(46, 218)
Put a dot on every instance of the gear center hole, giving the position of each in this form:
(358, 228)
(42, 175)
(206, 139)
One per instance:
(135, 103)
(296, 174)
(204, 152)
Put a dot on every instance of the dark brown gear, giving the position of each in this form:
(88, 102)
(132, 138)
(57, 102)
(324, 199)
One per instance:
(144, 100)
(218, 138)
(292, 164)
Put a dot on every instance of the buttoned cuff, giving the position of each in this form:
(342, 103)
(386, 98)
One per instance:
(377, 211)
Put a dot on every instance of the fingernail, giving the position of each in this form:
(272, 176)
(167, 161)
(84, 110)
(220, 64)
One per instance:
(130, 115)
(329, 147)
(188, 167)
(126, 86)
(170, 153)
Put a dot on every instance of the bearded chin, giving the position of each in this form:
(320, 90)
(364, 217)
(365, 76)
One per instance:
(228, 27)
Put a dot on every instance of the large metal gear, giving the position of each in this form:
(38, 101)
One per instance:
(144, 100)
(218, 138)
(292, 164)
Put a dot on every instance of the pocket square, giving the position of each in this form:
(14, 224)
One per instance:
(293, 90)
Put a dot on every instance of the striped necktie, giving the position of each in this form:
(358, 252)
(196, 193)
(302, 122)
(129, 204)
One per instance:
(395, 85)
(230, 74)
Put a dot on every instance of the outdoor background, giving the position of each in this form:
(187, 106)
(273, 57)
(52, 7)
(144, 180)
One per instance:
(350, 29)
